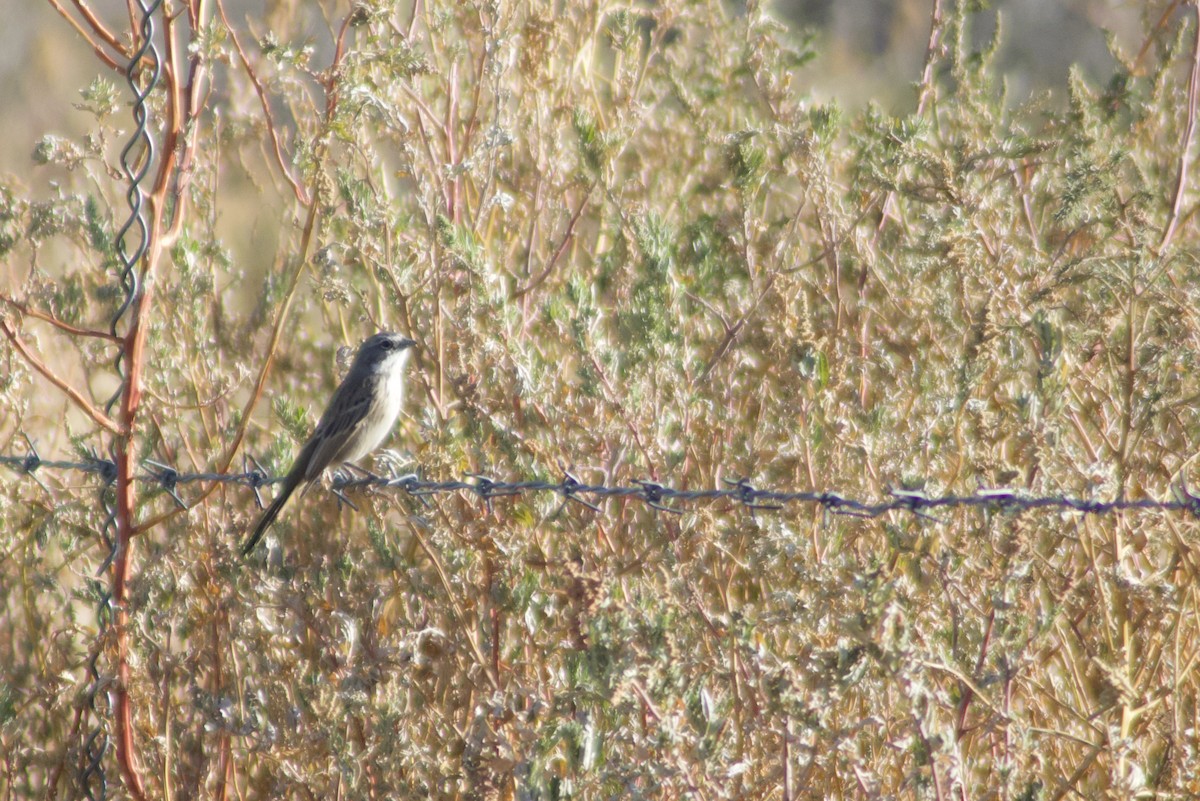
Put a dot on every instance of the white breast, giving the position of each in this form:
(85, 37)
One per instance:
(378, 425)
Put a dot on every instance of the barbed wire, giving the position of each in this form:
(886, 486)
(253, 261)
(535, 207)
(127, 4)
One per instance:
(658, 496)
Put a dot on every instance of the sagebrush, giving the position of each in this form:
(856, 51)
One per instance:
(632, 247)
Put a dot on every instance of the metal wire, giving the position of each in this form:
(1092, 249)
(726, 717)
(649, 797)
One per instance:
(137, 157)
(657, 496)
(142, 73)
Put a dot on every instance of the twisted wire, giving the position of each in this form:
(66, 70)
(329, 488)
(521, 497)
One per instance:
(137, 157)
(92, 776)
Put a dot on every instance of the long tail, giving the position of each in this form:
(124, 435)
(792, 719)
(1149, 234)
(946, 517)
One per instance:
(268, 517)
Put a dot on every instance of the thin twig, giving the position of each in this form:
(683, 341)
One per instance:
(1149, 40)
(924, 90)
(28, 310)
(100, 52)
(535, 282)
(99, 417)
(297, 188)
(732, 331)
(1185, 149)
(101, 29)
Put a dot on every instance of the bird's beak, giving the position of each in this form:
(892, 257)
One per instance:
(407, 343)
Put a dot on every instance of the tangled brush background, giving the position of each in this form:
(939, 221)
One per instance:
(665, 240)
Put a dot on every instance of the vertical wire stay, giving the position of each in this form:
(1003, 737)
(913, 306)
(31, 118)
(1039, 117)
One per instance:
(142, 74)
(136, 160)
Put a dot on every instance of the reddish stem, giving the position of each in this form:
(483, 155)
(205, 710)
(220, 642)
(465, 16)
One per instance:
(1185, 150)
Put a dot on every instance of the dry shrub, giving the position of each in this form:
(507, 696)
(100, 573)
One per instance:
(632, 247)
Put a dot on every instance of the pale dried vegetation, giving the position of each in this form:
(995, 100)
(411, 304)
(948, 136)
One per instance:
(632, 247)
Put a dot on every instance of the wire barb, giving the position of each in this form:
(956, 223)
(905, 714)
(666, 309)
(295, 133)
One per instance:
(748, 496)
(653, 495)
(1189, 501)
(168, 479)
(570, 488)
(915, 501)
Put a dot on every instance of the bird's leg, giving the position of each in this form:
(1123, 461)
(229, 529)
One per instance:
(364, 471)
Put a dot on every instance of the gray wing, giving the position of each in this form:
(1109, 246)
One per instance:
(338, 426)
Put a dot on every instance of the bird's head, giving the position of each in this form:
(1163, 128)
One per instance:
(384, 351)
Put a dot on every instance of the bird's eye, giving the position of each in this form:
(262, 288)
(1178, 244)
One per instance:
(386, 344)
